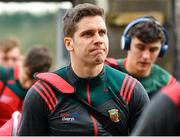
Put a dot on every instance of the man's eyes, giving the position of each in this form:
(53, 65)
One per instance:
(141, 48)
(89, 34)
(92, 33)
(102, 32)
(153, 49)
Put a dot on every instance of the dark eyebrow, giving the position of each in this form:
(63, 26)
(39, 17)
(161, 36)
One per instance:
(140, 45)
(154, 48)
(89, 30)
(92, 30)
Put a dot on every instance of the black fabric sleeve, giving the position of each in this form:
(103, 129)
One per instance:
(160, 118)
(138, 102)
(35, 112)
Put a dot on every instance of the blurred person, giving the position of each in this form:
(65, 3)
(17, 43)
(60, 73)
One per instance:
(14, 82)
(10, 47)
(162, 116)
(85, 97)
(145, 40)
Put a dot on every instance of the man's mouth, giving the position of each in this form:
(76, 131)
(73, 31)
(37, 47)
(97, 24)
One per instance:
(144, 63)
(97, 51)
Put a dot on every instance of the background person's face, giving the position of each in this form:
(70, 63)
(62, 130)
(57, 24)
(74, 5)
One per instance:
(141, 56)
(12, 58)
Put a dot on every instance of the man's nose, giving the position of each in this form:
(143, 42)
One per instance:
(146, 54)
(98, 39)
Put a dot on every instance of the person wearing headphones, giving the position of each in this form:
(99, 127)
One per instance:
(145, 40)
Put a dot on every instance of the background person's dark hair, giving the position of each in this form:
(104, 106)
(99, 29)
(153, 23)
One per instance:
(148, 32)
(74, 15)
(38, 59)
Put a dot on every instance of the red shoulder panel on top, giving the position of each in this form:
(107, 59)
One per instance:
(173, 92)
(56, 81)
(112, 62)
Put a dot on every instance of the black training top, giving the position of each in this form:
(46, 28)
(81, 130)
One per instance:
(162, 117)
(113, 93)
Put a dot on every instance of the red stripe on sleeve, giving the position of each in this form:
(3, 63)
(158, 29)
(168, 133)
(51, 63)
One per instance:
(45, 99)
(51, 91)
(47, 94)
(127, 88)
(123, 84)
(131, 91)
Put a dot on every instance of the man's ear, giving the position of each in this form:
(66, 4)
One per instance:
(68, 43)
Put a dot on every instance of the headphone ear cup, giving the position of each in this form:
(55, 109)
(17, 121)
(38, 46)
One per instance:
(163, 50)
(125, 42)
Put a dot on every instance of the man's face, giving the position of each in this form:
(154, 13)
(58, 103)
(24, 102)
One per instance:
(141, 56)
(12, 58)
(89, 45)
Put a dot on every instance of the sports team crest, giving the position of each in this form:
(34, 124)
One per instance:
(114, 115)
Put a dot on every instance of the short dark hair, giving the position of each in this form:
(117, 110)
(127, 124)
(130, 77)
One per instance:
(74, 15)
(148, 32)
(38, 59)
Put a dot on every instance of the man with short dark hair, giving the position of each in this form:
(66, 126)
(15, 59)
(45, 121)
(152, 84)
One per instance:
(145, 40)
(85, 97)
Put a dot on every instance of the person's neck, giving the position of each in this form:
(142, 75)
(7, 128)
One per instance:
(25, 83)
(84, 71)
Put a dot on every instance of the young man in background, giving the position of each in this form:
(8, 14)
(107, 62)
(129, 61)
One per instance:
(145, 40)
(10, 52)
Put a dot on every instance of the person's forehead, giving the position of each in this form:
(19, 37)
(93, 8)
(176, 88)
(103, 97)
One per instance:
(91, 22)
(138, 41)
(15, 49)
(13, 52)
